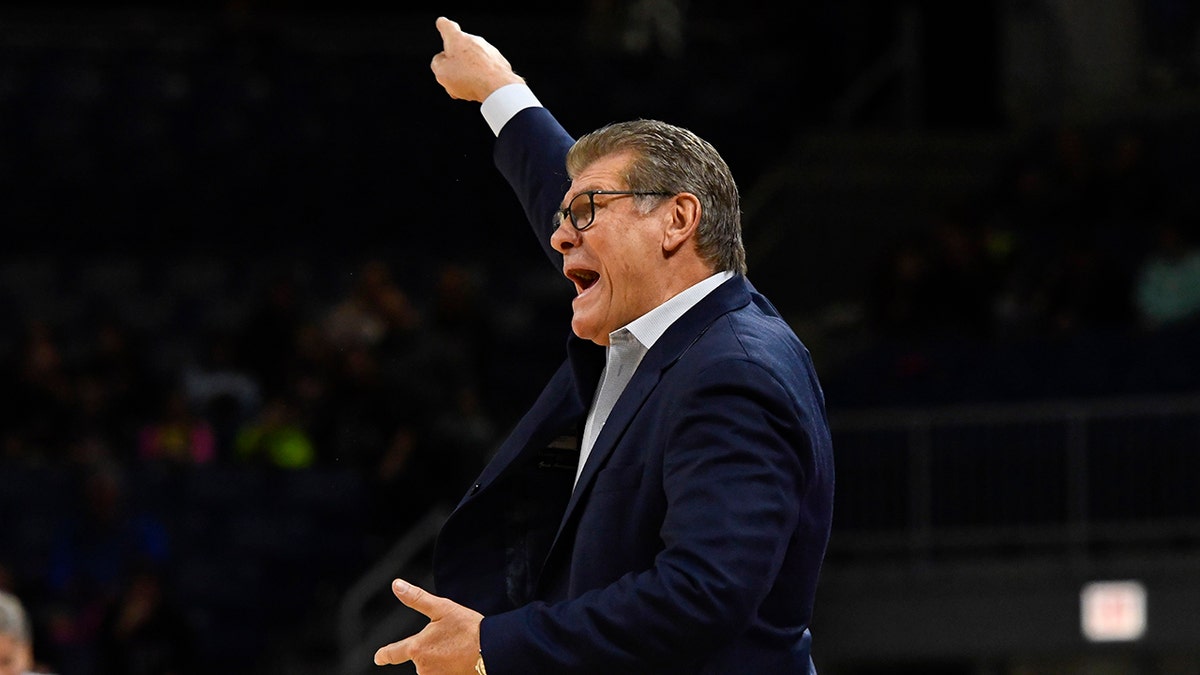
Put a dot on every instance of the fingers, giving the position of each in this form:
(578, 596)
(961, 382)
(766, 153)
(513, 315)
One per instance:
(393, 654)
(449, 31)
(417, 598)
(452, 34)
(447, 28)
(468, 67)
(449, 644)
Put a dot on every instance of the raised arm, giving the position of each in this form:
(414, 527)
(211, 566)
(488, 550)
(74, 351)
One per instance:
(531, 146)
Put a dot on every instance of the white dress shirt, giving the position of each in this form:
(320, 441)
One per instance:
(627, 346)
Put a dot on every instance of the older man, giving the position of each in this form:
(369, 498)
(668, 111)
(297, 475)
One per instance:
(665, 505)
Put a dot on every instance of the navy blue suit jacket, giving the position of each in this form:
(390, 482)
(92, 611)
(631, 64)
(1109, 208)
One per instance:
(693, 540)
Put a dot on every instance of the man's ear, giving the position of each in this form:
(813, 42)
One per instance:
(684, 218)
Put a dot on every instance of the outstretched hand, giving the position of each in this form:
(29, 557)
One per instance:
(468, 66)
(448, 645)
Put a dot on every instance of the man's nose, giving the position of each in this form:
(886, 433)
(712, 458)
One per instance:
(564, 237)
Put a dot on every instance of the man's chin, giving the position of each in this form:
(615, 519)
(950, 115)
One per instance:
(587, 331)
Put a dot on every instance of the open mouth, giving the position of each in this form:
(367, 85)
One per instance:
(584, 279)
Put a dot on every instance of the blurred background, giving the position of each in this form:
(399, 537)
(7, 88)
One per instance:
(266, 307)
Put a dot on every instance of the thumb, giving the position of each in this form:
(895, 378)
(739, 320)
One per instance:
(432, 606)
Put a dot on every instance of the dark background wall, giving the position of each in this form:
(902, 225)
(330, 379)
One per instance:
(264, 302)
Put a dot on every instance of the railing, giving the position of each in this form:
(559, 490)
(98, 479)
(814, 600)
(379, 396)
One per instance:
(1064, 477)
(901, 62)
(356, 640)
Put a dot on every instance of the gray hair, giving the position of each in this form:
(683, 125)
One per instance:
(667, 158)
(13, 621)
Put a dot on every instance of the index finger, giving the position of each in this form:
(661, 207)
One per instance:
(417, 598)
(447, 28)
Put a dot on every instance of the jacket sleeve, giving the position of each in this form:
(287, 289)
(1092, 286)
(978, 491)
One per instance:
(531, 153)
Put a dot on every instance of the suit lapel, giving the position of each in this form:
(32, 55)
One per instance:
(729, 296)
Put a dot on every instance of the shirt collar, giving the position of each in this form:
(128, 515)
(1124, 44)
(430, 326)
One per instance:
(649, 327)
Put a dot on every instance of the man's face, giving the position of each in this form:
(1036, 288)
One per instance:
(15, 658)
(617, 263)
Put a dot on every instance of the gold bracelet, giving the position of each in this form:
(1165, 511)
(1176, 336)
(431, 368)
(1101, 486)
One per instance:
(480, 669)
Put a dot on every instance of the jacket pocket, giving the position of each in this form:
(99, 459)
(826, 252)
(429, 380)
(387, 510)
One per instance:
(619, 478)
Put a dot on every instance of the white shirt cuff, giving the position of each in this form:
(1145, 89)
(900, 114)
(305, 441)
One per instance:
(504, 103)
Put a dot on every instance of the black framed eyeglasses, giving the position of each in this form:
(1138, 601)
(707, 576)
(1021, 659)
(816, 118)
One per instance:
(581, 213)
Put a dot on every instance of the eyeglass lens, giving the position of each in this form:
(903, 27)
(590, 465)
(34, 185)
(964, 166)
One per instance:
(582, 209)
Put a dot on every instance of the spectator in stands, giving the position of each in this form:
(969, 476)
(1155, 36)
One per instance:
(267, 342)
(936, 282)
(901, 302)
(1085, 290)
(16, 637)
(14, 598)
(144, 633)
(410, 369)
(308, 383)
(428, 356)
(177, 435)
(1168, 284)
(362, 318)
(962, 278)
(466, 427)
(95, 550)
(462, 436)
(221, 390)
(359, 406)
(457, 310)
(38, 399)
(276, 438)
(111, 386)
(399, 492)
(1128, 183)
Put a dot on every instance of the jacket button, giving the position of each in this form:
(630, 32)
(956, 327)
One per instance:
(475, 488)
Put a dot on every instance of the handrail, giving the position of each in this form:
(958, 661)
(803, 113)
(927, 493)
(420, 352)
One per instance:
(1007, 413)
(1071, 485)
(903, 61)
(353, 635)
